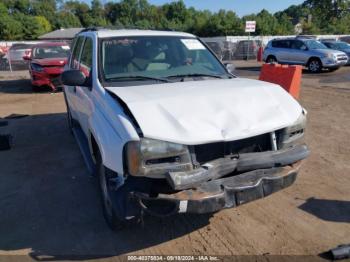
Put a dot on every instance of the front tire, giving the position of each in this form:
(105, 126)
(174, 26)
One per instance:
(315, 65)
(110, 215)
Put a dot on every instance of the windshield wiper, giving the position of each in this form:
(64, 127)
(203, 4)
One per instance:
(138, 77)
(196, 75)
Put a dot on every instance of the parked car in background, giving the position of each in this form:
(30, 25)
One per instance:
(3, 59)
(303, 51)
(46, 63)
(247, 49)
(16, 53)
(168, 129)
(217, 48)
(345, 39)
(339, 45)
(229, 50)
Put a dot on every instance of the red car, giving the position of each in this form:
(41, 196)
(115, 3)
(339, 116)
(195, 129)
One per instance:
(46, 63)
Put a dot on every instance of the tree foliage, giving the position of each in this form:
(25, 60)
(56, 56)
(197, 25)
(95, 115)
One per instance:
(27, 19)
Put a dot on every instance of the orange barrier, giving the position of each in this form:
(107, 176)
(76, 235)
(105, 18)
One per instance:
(289, 77)
(260, 54)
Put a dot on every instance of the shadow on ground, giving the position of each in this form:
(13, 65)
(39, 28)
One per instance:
(328, 210)
(50, 205)
(20, 86)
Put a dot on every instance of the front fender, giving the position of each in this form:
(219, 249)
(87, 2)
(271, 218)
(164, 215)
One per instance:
(109, 142)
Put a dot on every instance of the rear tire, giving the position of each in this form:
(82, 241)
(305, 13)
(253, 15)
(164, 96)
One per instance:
(315, 65)
(271, 60)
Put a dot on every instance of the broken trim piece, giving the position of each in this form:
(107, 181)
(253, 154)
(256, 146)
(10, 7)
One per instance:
(227, 192)
(245, 162)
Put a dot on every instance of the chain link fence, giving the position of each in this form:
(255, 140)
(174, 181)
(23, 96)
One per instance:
(226, 48)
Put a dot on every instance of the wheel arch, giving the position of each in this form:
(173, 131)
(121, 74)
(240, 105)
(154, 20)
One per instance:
(271, 56)
(108, 143)
(314, 58)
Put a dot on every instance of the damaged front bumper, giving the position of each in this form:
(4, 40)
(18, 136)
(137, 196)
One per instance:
(210, 189)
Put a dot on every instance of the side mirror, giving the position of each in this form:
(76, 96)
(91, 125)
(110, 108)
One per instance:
(230, 68)
(26, 57)
(73, 78)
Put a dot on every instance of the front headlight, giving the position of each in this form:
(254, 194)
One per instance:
(154, 158)
(331, 56)
(293, 134)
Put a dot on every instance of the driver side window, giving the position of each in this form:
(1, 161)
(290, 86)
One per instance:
(299, 45)
(85, 63)
(74, 61)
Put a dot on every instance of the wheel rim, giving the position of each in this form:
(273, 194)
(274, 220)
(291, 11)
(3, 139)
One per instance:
(105, 192)
(314, 66)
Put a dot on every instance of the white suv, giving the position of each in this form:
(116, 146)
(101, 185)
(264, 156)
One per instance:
(168, 129)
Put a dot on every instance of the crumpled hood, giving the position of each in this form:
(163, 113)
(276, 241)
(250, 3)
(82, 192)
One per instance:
(198, 112)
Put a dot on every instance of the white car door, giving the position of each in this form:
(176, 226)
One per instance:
(73, 64)
(83, 94)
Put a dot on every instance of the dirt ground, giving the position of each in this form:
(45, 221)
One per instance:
(50, 207)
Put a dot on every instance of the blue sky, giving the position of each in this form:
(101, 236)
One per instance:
(241, 7)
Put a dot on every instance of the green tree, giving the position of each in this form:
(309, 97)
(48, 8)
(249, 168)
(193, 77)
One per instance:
(10, 28)
(66, 19)
(222, 23)
(80, 10)
(44, 25)
(45, 8)
(3, 10)
(32, 26)
(97, 14)
(284, 25)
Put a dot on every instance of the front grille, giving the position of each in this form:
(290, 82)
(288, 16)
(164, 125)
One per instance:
(208, 152)
(342, 58)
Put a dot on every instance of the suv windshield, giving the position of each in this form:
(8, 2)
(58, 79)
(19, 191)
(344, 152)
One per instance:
(313, 44)
(145, 57)
(50, 52)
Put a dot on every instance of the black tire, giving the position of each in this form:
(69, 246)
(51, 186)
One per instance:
(315, 65)
(271, 60)
(109, 213)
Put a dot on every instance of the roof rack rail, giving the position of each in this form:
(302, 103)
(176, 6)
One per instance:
(306, 36)
(88, 29)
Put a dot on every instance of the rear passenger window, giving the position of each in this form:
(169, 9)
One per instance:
(276, 44)
(86, 57)
(281, 44)
(74, 62)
